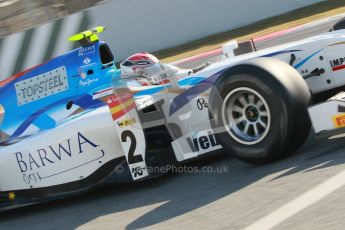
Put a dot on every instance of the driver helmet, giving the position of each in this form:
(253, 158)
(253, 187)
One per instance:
(141, 64)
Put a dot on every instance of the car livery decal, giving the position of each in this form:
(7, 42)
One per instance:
(179, 101)
(120, 105)
(301, 63)
(337, 64)
(184, 82)
(84, 101)
(280, 52)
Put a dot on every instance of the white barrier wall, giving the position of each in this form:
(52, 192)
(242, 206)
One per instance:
(137, 25)
(153, 25)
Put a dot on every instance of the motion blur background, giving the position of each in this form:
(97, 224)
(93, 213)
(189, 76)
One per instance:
(18, 15)
(33, 31)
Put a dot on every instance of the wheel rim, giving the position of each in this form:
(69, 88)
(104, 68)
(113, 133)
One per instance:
(246, 116)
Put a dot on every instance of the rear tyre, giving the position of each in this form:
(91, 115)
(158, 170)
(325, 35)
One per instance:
(259, 110)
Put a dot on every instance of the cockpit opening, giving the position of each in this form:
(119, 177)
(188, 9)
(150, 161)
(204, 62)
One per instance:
(105, 54)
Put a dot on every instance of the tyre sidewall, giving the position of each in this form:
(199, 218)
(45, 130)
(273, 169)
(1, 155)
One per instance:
(285, 109)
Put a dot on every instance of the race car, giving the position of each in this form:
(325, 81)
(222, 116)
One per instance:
(75, 121)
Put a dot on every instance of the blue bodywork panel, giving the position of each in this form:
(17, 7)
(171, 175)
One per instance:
(38, 98)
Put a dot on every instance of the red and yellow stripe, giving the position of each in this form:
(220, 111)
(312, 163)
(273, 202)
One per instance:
(119, 105)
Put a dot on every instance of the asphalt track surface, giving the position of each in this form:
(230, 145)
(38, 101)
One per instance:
(304, 191)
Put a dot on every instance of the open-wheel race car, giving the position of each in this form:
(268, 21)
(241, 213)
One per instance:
(74, 121)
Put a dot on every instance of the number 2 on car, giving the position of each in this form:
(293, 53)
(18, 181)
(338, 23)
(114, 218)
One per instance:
(130, 131)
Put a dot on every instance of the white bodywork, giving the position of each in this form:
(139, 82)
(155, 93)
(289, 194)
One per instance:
(72, 152)
(78, 147)
(329, 46)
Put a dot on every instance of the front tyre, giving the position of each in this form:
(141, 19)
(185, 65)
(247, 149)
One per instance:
(259, 110)
(249, 113)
